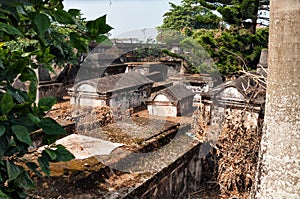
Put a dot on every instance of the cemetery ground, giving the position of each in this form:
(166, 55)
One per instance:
(227, 171)
(130, 150)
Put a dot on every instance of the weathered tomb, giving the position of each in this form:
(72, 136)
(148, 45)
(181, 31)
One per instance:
(98, 65)
(47, 86)
(159, 160)
(241, 99)
(172, 101)
(98, 71)
(125, 90)
(155, 71)
(200, 84)
(241, 91)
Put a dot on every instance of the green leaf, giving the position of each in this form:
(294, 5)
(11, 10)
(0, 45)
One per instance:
(3, 145)
(24, 182)
(13, 170)
(77, 42)
(46, 59)
(28, 74)
(46, 103)
(22, 134)
(44, 164)
(9, 29)
(1, 65)
(32, 91)
(2, 129)
(34, 118)
(74, 12)
(51, 153)
(7, 103)
(50, 139)
(20, 10)
(51, 127)
(63, 17)
(27, 54)
(101, 39)
(33, 167)
(97, 27)
(57, 4)
(63, 154)
(3, 195)
(18, 95)
(24, 121)
(42, 23)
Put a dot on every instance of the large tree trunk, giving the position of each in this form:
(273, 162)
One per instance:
(278, 174)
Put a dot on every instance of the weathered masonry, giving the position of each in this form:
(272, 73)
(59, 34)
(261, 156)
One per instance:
(155, 71)
(200, 84)
(46, 87)
(158, 160)
(172, 101)
(240, 99)
(126, 90)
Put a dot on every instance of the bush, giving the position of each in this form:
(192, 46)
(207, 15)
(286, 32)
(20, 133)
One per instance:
(34, 34)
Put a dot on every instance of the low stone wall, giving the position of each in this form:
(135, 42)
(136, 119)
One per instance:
(175, 180)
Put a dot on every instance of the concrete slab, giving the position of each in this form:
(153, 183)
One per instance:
(130, 131)
(84, 147)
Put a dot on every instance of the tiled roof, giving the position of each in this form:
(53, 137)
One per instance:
(113, 83)
(246, 85)
(175, 93)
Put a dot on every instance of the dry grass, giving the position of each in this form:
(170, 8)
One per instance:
(229, 169)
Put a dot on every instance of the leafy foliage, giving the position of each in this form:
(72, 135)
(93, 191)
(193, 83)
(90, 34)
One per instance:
(34, 34)
(233, 49)
(196, 14)
(236, 13)
(189, 15)
(231, 40)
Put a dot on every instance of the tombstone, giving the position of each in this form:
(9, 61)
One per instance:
(200, 84)
(172, 101)
(156, 71)
(262, 66)
(239, 100)
(43, 74)
(46, 86)
(125, 90)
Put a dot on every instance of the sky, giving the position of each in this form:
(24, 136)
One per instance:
(124, 15)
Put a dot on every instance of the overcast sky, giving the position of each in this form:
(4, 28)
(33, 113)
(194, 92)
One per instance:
(124, 15)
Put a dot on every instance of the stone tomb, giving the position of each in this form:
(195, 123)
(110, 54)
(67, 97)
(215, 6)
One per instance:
(200, 84)
(125, 90)
(241, 99)
(47, 87)
(158, 160)
(172, 101)
(156, 71)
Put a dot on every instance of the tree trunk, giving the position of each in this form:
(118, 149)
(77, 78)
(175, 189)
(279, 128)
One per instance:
(254, 18)
(278, 173)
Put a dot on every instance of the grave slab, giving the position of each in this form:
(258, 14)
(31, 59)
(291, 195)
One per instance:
(83, 147)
